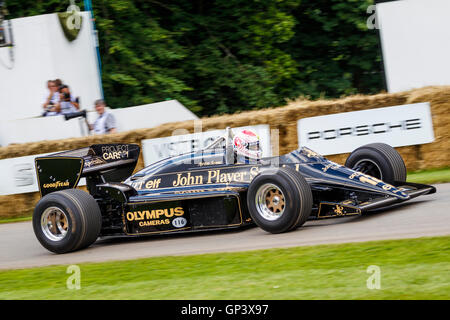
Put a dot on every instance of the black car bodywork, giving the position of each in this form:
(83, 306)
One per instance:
(206, 189)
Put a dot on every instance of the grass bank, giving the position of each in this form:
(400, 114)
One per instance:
(410, 269)
(430, 176)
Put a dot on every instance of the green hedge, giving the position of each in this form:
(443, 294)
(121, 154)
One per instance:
(223, 56)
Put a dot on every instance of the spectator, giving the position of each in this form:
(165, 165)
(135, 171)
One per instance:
(51, 99)
(67, 102)
(106, 122)
(58, 82)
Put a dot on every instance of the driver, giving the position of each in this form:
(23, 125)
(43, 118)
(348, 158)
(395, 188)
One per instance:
(246, 147)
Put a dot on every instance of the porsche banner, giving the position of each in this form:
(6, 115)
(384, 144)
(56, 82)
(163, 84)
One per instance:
(397, 126)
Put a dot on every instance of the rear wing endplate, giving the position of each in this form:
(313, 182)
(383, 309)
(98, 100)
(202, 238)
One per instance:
(108, 162)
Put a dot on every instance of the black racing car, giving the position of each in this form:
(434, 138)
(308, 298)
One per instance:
(207, 189)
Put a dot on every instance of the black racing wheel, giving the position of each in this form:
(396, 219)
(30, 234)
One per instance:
(279, 200)
(67, 220)
(378, 160)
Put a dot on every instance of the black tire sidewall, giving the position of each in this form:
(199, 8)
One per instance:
(292, 202)
(381, 161)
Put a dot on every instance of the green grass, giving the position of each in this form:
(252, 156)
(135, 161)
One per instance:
(11, 220)
(430, 176)
(410, 269)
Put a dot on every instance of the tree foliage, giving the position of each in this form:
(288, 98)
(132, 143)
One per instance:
(222, 56)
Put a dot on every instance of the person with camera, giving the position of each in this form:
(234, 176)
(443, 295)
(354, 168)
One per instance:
(67, 102)
(106, 122)
(51, 99)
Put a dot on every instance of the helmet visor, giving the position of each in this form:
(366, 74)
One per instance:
(253, 146)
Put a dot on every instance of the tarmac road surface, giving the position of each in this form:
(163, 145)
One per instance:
(427, 215)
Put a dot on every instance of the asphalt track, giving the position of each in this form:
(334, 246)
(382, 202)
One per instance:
(427, 215)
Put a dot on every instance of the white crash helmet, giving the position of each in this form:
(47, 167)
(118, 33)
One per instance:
(246, 144)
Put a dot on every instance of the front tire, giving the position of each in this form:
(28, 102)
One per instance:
(67, 220)
(378, 160)
(279, 200)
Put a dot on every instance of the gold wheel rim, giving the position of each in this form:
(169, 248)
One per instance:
(275, 200)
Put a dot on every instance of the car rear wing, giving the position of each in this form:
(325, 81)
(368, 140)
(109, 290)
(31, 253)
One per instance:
(99, 163)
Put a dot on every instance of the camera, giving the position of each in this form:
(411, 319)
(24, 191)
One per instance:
(72, 115)
(49, 106)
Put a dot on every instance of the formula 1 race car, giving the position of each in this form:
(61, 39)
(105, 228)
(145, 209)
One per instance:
(207, 189)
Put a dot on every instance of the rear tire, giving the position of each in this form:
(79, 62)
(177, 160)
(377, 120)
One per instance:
(279, 200)
(379, 160)
(67, 220)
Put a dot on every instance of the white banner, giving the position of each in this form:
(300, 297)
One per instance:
(19, 175)
(343, 132)
(412, 35)
(161, 148)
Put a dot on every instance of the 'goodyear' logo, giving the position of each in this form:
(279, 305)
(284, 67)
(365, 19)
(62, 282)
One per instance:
(57, 184)
(154, 214)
